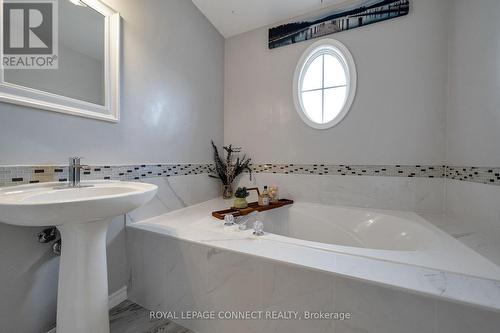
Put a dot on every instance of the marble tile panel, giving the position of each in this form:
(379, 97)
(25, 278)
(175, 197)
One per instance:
(380, 310)
(457, 318)
(413, 194)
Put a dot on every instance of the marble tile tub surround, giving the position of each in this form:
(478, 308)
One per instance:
(475, 211)
(423, 195)
(181, 275)
(194, 224)
(175, 193)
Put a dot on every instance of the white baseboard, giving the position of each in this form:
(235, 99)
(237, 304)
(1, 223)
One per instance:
(117, 297)
(114, 299)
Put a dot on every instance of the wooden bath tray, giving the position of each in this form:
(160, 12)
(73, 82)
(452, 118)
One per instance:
(252, 207)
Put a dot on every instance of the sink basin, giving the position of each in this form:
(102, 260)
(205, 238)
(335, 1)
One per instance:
(49, 204)
(82, 216)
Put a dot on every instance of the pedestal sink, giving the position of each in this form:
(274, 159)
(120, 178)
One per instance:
(82, 215)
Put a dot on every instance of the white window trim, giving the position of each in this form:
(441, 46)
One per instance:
(346, 57)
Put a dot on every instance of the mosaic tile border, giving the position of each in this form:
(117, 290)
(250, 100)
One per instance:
(17, 175)
(426, 171)
(483, 175)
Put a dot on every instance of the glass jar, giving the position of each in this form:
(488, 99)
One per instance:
(227, 191)
(274, 194)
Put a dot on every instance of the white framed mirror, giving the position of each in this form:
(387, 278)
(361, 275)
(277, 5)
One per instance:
(62, 56)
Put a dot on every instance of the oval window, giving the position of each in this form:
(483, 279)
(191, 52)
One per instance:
(324, 84)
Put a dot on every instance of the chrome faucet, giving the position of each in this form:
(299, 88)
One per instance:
(74, 171)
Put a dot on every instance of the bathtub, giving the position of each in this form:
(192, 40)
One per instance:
(394, 236)
(348, 227)
(391, 248)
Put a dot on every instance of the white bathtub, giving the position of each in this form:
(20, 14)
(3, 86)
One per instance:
(370, 230)
(393, 248)
(394, 236)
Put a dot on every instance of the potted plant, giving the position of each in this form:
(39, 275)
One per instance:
(240, 200)
(227, 169)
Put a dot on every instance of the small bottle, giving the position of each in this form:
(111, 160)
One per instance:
(264, 198)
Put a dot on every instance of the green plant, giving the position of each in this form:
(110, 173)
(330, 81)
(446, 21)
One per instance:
(227, 169)
(241, 193)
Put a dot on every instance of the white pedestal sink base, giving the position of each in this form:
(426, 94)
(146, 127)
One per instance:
(82, 300)
(82, 215)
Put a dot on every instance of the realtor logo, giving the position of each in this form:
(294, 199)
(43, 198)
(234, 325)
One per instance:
(30, 34)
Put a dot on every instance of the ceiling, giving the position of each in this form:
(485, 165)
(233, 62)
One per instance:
(233, 17)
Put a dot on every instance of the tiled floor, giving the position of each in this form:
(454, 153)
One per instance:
(129, 317)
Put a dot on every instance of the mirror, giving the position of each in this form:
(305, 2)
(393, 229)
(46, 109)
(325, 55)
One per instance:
(80, 72)
(63, 57)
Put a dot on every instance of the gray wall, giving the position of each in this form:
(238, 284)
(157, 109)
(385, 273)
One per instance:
(473, 115)
(473, 123)
(172, 105)
(398, 115)
(172, 97)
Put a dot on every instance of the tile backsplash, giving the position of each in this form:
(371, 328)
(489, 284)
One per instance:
(427, 171)
(16, 175)
(484, 175)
